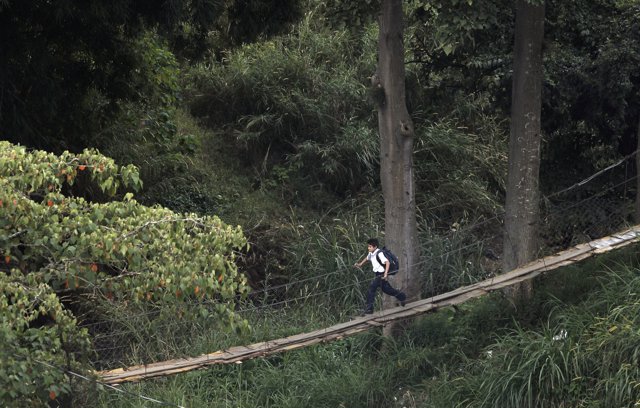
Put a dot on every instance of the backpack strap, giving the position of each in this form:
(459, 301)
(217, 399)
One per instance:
(378, 257)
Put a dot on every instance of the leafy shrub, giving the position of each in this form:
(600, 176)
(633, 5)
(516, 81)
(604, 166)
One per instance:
(34, 354)
(58, 246)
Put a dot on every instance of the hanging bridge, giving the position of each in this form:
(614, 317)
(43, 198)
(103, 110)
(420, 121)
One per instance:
(241, 353)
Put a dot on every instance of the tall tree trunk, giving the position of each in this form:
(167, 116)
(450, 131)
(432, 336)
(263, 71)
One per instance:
(522, 211)
(396, 152)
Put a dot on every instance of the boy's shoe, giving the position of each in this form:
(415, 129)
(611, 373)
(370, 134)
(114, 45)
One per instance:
(403, 301)
(366, 312)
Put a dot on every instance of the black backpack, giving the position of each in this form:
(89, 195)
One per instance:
(393, 260)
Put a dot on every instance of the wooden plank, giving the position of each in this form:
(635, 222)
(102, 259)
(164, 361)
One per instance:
(339, 331)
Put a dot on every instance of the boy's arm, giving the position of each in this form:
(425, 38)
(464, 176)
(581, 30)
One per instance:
(386, 269)
(360, 263)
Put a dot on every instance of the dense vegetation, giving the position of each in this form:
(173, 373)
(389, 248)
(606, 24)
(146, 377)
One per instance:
(224, 175)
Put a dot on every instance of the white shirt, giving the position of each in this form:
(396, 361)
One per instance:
(373, 258)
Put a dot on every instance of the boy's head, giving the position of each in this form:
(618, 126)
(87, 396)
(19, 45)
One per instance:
(373, 242)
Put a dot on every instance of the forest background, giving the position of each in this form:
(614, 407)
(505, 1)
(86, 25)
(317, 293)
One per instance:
(248, 133)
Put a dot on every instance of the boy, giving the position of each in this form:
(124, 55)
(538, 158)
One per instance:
(380, 265)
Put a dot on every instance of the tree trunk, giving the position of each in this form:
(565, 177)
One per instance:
(396, 153)
(522, 209)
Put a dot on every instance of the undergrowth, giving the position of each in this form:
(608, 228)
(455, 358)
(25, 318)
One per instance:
(584, 354)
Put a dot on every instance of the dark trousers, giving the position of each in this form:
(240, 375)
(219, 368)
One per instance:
(378, 282)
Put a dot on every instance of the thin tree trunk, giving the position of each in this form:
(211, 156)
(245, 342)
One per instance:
(522, 201)
(396, 153)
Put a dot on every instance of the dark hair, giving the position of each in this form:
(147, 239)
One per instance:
(374, 242)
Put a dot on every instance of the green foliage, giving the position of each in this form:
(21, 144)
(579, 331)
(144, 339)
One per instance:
(31, 349)
(461, 163)
(159, 72)
(167, 154)
(444, 338)
(590, 92)
(292, 113)
(72, 50)
(590, 97)
(536, 371)
(54, 243)
(295, 101)
(297, 107)
(116, 247)
(461, 47)
(348, 15)
(248, 21)
(149, 118)
(449, 24)
(76, 48)
(586, 355)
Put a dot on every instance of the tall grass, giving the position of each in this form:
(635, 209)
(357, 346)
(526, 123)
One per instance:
(587, 354)
(349, 373)
(461, 162)
(455, 259)
(324, 252)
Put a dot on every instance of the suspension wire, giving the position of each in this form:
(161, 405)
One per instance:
(285, 302)
(573, 205)
(298, 282)
(596, 174)
(149, 313)
(572, 187)
(111, 387)
(598, 194)
(185, 334)
(343, 269)
(325, 292)
(254, 292)
(358, 282)
(470, 227)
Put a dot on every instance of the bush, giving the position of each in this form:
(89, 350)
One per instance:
(59, 248)
(39, 340)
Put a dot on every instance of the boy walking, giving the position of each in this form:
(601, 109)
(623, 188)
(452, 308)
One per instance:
(380, 265)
